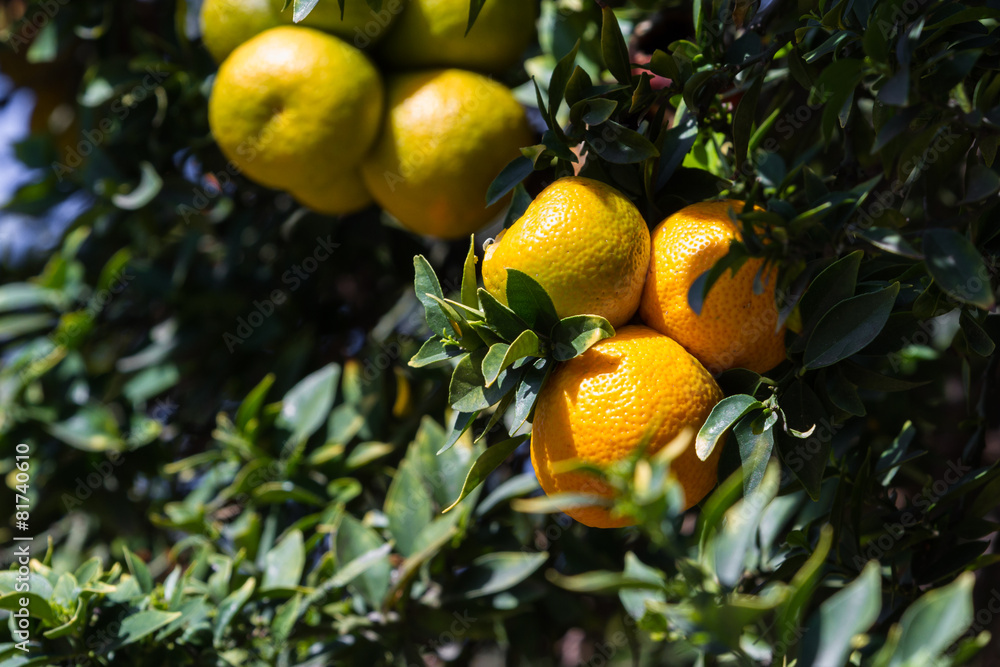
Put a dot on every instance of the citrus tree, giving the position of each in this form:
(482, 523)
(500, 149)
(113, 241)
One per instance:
(714, 382)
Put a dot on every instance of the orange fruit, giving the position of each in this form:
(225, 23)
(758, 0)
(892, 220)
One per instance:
(446, 136)
(296, 109)
(584, 242)
(598, 407)
(736, 328)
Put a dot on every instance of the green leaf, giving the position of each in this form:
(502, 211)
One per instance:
(613, 47)
(407, 507)
(848, 327)
(933, 623)
(979, 341)
(734, 545)
(15, 296)
(725, 413)
(618, 144)
(509, 177)
(834, 284)
(434, 350)
(501, 355)
(803, 584)
(634, 599)
(981, 182)
(598, 581)
(530, 302)
(230, 607)
(593, 111)
(847, 613)
(527, 392)
(139, 570)
(574, 335)
(891, 241)
(148, 187)
(138, 625)
(957, 267)
(475, 6)
(250, 407)
(743, 119)
(557, 82)
(302, 8)
(677, 143)
(468, 391)
(495, 572)
(755, 452)
(485, 464)
(700, 287)
(355, 568)
(502, 319)
(283, 564)
(306, 406)
(426, 283)
(353, 540)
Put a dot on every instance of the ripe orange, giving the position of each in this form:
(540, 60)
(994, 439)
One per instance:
(599, 407)
(446, 135)
(736, 328)
(584, 242)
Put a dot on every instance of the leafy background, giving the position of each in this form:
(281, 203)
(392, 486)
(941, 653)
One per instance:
(276, 500)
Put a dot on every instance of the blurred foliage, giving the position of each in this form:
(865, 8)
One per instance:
(232, 461)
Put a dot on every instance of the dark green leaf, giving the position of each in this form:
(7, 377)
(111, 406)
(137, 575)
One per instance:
(613, 47)
(618, 144)
(230, 607)
(574, 335)
(354, 540)
(475, 6)
(848, 327)
(501, 318)
(891, 241)
(957, 267)
(527, 392)
(501, 355)
(495, 572)
(426, 282)
(830, 632)
(932, 623)
(755, 452)
(725, 413)
(284, 563)
(407, 507)
(805, 457)
(530, 302)
(485, 464)
(433, 351)
(509, 177)
(307, 405)
(559, 80)
(743, 120)
(700, 287)
(250, 407)
(143, 623)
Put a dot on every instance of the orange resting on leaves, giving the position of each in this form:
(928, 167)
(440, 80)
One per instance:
(584, 242)
(736, 328)
(598, 408)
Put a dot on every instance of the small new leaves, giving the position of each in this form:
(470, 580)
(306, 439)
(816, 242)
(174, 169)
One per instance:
(504, 353)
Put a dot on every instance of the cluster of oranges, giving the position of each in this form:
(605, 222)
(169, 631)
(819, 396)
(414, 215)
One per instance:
(394, 106)
(589, 247)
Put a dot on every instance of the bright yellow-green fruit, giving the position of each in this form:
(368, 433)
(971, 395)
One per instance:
(293, 103)
(225, 24)
(431, 33)
(446, 136)
(599, 407)
(584, 242)
(360, 26)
